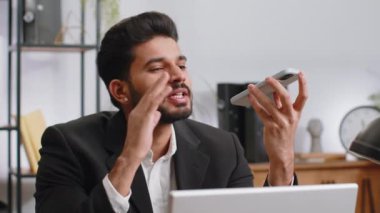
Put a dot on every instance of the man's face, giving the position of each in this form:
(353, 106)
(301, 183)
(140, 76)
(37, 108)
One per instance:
(152, 58)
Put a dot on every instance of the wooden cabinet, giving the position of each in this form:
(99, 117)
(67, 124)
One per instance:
(364, 173)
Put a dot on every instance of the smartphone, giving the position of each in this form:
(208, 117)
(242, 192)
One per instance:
(285, 77)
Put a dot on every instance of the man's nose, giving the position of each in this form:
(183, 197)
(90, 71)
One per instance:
(177, 74)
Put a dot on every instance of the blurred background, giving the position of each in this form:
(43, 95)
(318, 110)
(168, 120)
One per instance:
(336, 44)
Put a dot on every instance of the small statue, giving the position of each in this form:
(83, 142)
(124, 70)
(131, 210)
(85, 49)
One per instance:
(315, 129)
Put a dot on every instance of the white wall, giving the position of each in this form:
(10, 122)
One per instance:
(336, 43)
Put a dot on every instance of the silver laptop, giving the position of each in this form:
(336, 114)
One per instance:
(306, 198)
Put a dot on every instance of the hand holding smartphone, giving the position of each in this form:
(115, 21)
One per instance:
(285, 77)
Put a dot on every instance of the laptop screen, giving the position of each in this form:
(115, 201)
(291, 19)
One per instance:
(306, 198)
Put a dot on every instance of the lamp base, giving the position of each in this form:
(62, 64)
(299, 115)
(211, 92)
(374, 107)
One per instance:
(367, 142)
(366, 151)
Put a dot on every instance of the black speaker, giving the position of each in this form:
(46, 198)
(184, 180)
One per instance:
(41, 21)
(230, 117)
(254, 141)
(244, 122)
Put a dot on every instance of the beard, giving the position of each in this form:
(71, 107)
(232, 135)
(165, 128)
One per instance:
(166, 116)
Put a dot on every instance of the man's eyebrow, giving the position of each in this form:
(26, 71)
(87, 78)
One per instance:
(182, 58)
(160, 59)
(153, 60)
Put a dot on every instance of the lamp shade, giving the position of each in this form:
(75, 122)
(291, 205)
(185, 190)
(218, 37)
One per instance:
(367, 142)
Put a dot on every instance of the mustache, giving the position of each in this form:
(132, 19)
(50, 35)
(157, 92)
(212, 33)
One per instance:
(178, 85)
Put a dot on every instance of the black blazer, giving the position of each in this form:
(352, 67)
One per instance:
(76, 156)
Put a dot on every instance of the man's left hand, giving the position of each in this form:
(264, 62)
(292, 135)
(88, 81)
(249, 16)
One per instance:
(280, 118)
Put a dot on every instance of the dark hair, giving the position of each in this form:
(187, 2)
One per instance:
(116, 51)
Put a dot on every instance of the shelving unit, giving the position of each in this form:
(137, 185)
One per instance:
(14, 76)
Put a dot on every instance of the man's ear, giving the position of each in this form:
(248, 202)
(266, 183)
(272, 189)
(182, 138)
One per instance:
(119, 90)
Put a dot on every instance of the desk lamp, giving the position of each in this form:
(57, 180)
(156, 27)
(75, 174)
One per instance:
(367, 142)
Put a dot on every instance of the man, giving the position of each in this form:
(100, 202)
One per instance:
(129, 161)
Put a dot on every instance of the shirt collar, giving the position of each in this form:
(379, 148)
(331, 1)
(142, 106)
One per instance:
(171, 150)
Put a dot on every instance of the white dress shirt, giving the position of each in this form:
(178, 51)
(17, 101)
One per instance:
(160, 179)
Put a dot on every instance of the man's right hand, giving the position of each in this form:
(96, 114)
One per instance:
(142, 120)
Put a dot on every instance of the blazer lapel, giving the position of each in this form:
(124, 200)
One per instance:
(190, 162)
(140, 196)
(114, 142)
(114, 139)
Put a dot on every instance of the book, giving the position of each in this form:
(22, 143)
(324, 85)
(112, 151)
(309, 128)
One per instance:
(32, 126)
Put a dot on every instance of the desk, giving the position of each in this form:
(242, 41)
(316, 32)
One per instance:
(364, 173)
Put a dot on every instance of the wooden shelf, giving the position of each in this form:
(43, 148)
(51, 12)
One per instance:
(8, 127)
(53, 48)
(341, 164)
(319, 157)
(25, 173)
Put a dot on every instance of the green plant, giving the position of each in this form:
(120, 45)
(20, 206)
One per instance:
(110, 12)
(376, 99)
